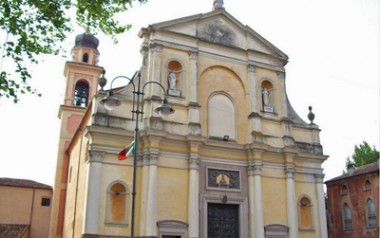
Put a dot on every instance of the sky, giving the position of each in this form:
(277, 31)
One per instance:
(333, 49)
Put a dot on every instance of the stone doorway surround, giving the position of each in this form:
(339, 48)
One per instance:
(224, 199)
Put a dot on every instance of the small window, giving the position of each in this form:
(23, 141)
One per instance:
(371, 214)
(45, 202)
(85, 58)
(347, 217)
(344, 190)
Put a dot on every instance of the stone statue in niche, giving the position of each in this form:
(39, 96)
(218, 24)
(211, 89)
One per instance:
(172, 78)
(265, 96)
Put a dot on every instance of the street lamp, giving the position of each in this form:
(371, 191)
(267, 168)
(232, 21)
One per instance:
(111, 101)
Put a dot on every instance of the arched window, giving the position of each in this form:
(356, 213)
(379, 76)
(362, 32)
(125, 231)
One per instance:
(117, 203)
(344, 190)
(367, 184)
(267, 96)
(221, 117)
(304, 210)
(347, 217)
(85, 58)
(81, 94)
(371, 214)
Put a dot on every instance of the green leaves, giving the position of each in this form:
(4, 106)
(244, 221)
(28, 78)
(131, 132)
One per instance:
(38, 27)
(363, 154)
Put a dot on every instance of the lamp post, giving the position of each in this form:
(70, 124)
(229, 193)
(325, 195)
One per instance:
(111, 101)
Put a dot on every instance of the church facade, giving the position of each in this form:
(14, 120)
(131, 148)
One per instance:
(234, 160)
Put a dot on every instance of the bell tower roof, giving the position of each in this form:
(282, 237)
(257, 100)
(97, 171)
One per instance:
(86, 40)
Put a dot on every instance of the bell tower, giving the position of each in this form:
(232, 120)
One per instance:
(82, 73)
(82, 76)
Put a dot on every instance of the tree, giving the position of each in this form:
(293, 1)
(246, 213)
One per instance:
(363, 155)
(36, 27)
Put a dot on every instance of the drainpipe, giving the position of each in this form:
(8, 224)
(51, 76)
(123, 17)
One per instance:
(31, 210)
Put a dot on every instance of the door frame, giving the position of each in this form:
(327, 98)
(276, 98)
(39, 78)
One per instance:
(236, 200)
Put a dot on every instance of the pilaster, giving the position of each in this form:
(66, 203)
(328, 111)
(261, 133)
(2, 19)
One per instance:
(151, 218)
(94, 173)
(254, 116)
(193, 206)
(291, 200)
(194, 108)
(284, 108)
(321, 205)
(155, 65)
(255, 199)
(253, 88)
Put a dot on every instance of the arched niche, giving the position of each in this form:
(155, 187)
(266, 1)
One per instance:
(219, 79)
(117, 203)
(267, 96)
(305, 213)
(175, 82)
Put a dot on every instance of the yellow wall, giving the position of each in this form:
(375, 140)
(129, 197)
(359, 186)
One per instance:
(274, 200)
(172, 194)
(19, 205)
(73, 221)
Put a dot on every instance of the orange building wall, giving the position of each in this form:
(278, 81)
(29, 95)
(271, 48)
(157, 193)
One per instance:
(19, 205)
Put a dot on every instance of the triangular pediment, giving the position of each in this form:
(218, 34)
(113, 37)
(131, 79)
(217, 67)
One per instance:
(219, 27)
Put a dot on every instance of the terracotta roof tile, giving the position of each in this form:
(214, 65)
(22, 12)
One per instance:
(13, 230)
(365, 169)
(22, 183)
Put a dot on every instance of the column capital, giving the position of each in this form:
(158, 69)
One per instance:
(144, 160)
(289, 171)
(155, 47)
(95, 156)
(194, 163)
(145, 52)
(281, 75)
(252, 68)
(153, 159)
(255, 169)
(319, 178)
(193, 55)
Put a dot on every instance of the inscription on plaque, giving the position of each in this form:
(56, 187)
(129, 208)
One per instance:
(268, 109)
(174, 92)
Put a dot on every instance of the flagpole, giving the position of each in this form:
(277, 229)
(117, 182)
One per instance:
(135, 154)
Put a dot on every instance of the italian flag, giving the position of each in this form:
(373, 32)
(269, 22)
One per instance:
(127, 151)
